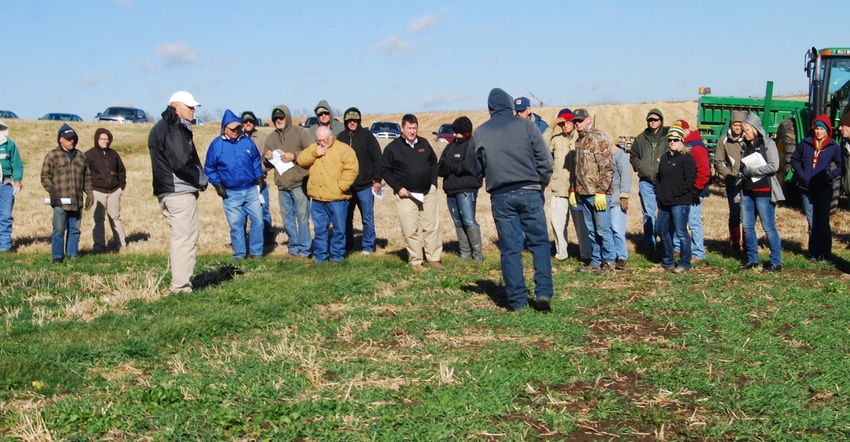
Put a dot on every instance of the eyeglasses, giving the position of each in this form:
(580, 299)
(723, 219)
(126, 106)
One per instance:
(322, 114)
(653, 120)
(673, 140)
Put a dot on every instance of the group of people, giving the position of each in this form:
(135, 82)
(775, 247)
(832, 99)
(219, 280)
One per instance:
(326, 172)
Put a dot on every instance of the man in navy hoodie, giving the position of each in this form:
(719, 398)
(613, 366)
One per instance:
(234, 168)
(511, 153)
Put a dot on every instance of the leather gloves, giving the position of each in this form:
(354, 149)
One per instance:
(221, 190)
(600, 202)
(260, 181)
(573, 200)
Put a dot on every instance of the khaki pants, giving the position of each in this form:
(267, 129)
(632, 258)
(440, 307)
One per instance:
(181, 211)
(107, 204)
(416, 217)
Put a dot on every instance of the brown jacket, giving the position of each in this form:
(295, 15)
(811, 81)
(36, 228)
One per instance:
(562, 147)
(69, 178)
(289, 139)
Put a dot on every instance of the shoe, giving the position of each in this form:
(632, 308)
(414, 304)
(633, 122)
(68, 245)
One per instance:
(589, 268)
(366, 252)
(695, 260)
(749, 265)
(419, 268)
(771, 268)
(679, 270)
(607, 268)
(561, 258)
(257, 257)
(544, 305)
(620, 264)
(667, 268)
(435, 265)
(57, 260)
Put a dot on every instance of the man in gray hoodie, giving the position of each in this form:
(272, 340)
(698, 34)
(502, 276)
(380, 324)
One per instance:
(326, 118)
(511, 153)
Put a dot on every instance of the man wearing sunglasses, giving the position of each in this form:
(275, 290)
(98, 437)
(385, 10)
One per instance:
(645, 156)
(326, 118)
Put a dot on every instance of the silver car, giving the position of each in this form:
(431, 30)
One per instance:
(122, 115)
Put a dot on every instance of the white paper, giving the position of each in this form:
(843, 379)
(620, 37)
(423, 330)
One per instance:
(731, 161)
(418, 196)
(279, 165)
(754, 160)
(260, 193)
(379, 194)
(62, 201)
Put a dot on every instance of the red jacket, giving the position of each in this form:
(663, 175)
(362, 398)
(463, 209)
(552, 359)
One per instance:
(698, 150)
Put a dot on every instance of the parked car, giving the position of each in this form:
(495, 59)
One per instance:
(444, 134)
(309, 122)
(385, 129)
(122, 115)
(199, 121)
(8, 114)
(57, 116)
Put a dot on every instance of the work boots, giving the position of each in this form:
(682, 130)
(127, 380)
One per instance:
(474, 235)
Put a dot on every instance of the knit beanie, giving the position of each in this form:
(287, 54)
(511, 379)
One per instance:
(676, 132)
(565, 114)
(845, 120)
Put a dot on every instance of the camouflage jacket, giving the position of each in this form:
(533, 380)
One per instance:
(594, 164)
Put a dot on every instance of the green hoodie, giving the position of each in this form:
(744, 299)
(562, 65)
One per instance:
(647, 150)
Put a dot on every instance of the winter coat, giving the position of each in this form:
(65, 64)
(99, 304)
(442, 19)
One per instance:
(332, 174)
(456, 178)
(622, 182)
(336, 126)
(562, 147)
(107, 170)
(175, 164)
(67, 175)
(10, 159)
(235, 163)
(508, 150)
(647, 149)
(413, 168)
(594, 163)
(676, 176)
(765, 147)
(818, 176)
(292, 139)
(368, 152)
(700, 153)
(727, 156)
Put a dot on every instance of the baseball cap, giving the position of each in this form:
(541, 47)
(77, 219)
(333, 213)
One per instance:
(521, 103)
(185, 98)
(580, 114)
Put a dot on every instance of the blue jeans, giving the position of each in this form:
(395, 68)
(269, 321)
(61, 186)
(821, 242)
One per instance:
(295, 211)
(816, 205)
(696, 236)
(462, 208)
(7, 202)
(326, 214)
(648, 204)
(65, 221)
(673, 220)
(366, 202)
(517, 213)
(268, 229)
(585, 247)
(618, 229)
(239, 206)
(598, 230)
(752, 207)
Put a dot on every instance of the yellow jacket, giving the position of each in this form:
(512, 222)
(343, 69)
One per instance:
(332, 174)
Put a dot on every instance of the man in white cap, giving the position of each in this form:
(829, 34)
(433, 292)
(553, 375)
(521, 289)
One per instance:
(177, 178)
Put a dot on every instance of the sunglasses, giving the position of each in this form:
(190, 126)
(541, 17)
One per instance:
(673, 140)
(652, 120)
(321, 114)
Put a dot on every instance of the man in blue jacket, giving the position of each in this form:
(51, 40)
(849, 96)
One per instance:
(511, 153)
(234, 168)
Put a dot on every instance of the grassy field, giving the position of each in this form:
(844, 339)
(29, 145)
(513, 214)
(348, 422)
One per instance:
(283, 349)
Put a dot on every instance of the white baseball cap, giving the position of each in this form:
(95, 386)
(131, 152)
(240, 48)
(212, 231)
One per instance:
(185, 98)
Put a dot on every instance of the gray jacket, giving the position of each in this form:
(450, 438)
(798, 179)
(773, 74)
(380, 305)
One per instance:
(771, 157)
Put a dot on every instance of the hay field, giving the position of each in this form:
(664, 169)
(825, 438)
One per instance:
(147, 230)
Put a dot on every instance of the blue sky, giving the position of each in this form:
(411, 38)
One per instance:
(398, 56)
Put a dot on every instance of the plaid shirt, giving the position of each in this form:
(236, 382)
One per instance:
(69, 178)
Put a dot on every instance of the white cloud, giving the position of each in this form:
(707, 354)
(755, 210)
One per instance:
(89, 81)
(176, 54)
(393, 46)
(436, 100)
(425, 21)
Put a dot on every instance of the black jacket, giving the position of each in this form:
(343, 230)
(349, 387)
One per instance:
(368, 153)
(676, 176)
(175, 163)
(412, 168)
(456, 177)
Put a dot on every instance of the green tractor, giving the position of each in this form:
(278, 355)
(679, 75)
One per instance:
(787, 121)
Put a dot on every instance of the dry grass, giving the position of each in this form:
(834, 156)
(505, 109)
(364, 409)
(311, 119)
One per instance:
(147, 230)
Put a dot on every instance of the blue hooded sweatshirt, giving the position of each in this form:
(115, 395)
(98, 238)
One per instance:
(236, 162)
(508, 150)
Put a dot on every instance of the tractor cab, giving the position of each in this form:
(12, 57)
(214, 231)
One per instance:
(829, 85)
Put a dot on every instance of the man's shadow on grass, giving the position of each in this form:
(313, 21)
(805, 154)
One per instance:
(216, 276)
(495, 292)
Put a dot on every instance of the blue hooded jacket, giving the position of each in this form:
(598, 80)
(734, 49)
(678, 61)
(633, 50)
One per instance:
(234, 163)
(508, 150)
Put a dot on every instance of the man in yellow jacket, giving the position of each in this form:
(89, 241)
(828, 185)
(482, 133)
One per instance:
(333, 167)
